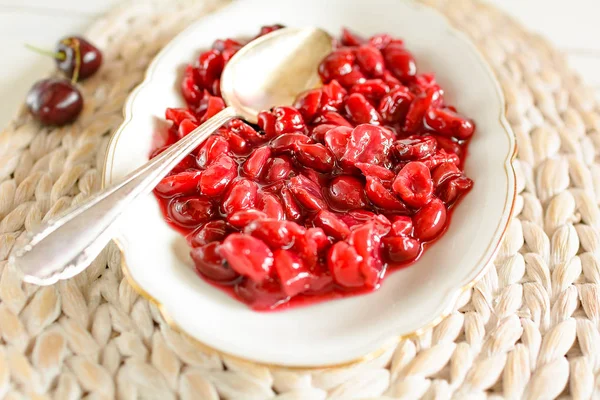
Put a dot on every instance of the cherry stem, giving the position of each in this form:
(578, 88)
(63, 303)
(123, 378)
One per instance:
(57, 56)
(76, 46)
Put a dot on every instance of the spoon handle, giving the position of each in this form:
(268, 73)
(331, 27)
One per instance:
(65, 246)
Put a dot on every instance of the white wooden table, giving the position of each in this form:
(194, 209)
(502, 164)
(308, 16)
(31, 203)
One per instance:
(572, 25)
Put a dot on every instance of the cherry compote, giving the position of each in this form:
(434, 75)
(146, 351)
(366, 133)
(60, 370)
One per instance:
(321, 199)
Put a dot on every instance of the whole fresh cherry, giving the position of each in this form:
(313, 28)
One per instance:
(54, 101)
(75, 50)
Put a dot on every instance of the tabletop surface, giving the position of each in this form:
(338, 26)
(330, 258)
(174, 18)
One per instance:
(529, 329)
(572, 26)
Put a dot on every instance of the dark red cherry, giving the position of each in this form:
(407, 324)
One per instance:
(209, 263)
(73, 51)
(54, 101)
(265, 30)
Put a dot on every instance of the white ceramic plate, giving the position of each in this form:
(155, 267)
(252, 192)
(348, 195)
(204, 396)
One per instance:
(342, 331)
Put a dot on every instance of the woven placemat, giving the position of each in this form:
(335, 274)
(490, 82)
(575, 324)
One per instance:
(528, 329)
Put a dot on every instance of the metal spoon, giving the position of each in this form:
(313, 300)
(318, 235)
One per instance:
(269, 71)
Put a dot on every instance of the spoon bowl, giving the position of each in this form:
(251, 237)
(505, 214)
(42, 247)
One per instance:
(250, 85)
(269, 71)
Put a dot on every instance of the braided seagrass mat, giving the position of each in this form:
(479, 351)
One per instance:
(529, 329)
